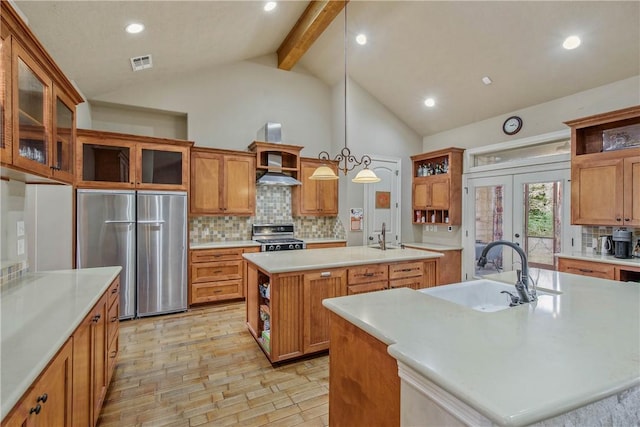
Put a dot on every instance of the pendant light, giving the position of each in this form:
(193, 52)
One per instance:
(346, 161)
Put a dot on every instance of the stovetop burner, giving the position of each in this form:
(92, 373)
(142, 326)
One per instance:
(276, 237)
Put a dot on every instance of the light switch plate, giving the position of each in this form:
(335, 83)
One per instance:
(20, 228)
(20, 246)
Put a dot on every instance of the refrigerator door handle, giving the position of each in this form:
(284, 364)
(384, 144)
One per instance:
(109, 221)
(150, 222)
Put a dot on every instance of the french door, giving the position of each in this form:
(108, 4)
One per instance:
(530, 209)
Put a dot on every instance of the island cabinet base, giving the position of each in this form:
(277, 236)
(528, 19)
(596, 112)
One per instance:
(364, 387)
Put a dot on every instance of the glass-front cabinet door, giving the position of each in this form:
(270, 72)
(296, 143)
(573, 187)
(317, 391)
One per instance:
(64, 118)
(105, 163)
(164, 166)
(32, 92)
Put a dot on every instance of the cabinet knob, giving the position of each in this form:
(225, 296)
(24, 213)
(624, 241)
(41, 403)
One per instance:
(618, 219)
(96, 318)
(113, 354)
(42, 398)
(37, 409)
(114, 319)
(627, 219)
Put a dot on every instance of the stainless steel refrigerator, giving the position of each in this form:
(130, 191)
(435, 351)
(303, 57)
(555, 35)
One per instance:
(145, 232)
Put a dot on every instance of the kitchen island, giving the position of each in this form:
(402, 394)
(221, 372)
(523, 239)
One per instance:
(574, 355)
(285, 290)
(40, 312)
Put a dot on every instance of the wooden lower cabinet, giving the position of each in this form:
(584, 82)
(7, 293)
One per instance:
(76, 380)
(318, 286)
(217, 274)
(586, 268)
(49, 400)
(289, 320)
(364, 387)
(602, 270)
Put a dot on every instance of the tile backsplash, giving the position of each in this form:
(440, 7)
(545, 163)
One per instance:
(589, 233)
(12, 270)
(273, 205)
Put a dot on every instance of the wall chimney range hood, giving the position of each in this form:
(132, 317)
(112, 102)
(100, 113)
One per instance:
(273, 176)
(271, 168)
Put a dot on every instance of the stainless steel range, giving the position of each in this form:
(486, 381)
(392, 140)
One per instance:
(276, 237)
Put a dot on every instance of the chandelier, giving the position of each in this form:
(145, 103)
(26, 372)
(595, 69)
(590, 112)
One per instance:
(346, 161)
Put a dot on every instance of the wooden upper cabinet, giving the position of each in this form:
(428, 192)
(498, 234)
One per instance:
(38, 105)
(436, 188)
(115, 160)
(315, 198)
(605, 182)
(222, 182)
(5, 96)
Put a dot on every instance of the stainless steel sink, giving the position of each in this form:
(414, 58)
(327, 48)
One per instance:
(388, 247)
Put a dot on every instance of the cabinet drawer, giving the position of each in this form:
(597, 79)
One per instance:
(216, 291)
(210, 255)
(368, 274)
(587, 268)
(367, 287)
(409, 282)
(406, 269)
(113, 321)
(113, 292)
(209, 271)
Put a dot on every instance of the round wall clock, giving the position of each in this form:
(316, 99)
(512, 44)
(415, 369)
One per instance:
(512, 125)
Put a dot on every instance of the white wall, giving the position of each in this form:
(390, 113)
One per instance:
(226, 106)
(12, 210)
(373, 130)
(542, 118)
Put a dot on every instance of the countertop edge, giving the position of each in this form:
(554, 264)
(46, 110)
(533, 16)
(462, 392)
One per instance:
(608, 259)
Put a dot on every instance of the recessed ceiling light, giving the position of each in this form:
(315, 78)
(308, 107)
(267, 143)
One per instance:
(571, 42)
(486, 80)
(429, 102)
(134, 28)
(270, 5)
(361, 39)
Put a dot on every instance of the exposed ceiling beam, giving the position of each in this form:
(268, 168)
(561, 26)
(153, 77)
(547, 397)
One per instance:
(313, 21)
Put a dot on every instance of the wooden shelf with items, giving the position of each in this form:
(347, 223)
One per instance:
(116, 160)
(436, 187)
(605, 168)
(38, 105)
(290, 155)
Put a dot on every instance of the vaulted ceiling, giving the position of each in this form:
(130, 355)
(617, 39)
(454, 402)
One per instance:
(415, 49)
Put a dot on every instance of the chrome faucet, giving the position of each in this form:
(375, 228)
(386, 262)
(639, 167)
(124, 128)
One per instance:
(383, 241)
(522, 283)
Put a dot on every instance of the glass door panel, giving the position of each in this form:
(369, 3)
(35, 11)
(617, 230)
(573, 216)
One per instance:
(32, 134)
(63, 147)
(541, 215)
(162, 167)
(490, 219)
(106, 163)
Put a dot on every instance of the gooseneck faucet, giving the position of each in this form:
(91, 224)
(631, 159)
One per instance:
(383, 241)
(522, 284)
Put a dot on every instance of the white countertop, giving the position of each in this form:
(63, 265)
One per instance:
(516, 366)
(586, 256)
(432, 246)
(285, 261)
(39, 313)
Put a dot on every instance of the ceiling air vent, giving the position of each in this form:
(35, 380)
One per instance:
(141, 62)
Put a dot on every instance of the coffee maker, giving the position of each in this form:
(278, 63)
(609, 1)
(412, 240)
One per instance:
(622, 243)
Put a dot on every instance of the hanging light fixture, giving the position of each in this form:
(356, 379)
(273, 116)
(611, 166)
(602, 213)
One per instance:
(346, 161)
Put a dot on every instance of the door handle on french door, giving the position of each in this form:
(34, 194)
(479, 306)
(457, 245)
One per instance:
(151, 222)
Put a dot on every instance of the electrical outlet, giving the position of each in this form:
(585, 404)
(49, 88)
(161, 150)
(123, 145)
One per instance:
(21, 247)
(20, 228)
(449, 228)
(435, 228)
